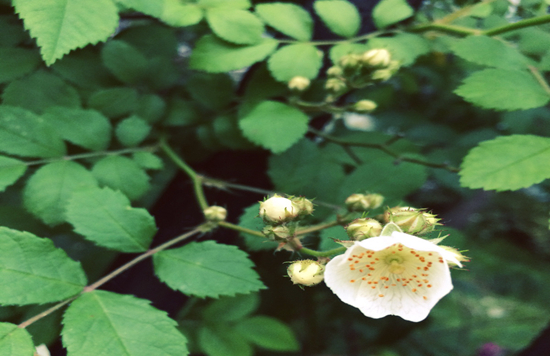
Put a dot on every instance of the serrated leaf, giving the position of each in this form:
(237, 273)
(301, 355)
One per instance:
(341, 17)
(214, 55)
(207, 269)
(171, 12)
(114, 102)
(388, 12)
(268, 333)
(23, 133)
(239, 4)
(39, 91)
(404, 47)
(132, 131)
(234, 25)
(148, 160)
(124, 61)
(384, 177)
(213, 91)
(503, 89)
(489, 51)
(15, 341)
(108, 323)
(49, 188)
(228, 309)
(302, 60)
(118, 172)
(10, 171)
(507, 163)
(85, 128)
(274, 125)
(290, 19)
(16, 62)
(222, 340)
(107, 218)
(34, 271)
(60, 26)
(250, 219)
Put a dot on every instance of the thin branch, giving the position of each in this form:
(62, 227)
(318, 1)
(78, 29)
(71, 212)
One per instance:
(452, 29)
(46, 312)
(534, 21)
(240, 228)
(311, 229)
(328, 253)
(384, 148)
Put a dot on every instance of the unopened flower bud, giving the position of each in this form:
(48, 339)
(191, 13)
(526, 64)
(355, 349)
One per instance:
(335, 71)
(298, 83)
(335, 84)
(412, 221)
(278, 210)
(215, 213)
(360, 229)
(41, 350)
(305, 205)
(376, 58)
(456, 254)
(362, 202)
(350, 60)
(365, 106)
(277, 233)
(306, 272)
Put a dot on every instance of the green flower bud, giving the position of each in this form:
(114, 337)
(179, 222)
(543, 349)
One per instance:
(306, 272)
(379, 58)
(360, 229)
(305, 205)
(335, 71)
(335, 84)
(278, 210)
(362, 202)
(215, 213)
(412, 221)
(298, 83)
(277, 233)
(365, 106)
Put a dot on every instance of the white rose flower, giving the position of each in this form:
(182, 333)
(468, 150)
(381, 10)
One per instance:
(399, 274)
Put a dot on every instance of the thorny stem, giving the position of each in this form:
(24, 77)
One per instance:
(384, 148)
(197, 182)
(112, 275)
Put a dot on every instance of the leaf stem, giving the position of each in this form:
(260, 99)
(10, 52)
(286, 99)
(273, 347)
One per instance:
(539, 20)
(540, 79)
(46, 312)
(319, 227)
(240, 228)
(384, 148)
(197, 181)
(452, 29)
(328, 253)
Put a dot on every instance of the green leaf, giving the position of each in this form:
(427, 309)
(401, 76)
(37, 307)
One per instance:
(85, 69)
(290, 19)
(49, 188)
(12, 32)
(39, 91)
(274, 125)
(107, 218)
(384, 177)
(341, 17)
(148, 160)
(340, 50)
(388, 12)
(250, 219)
(132, 131)
(404, 47)
(503, 89)
(34, 271)
(153, 40)
(227, 132)
(507, 163)
(214, 55)
(222, 340)
(151, 107)
(268, 333)
(172, 12)
(60, 26)
(16, 62)
(295, 60)
(114, 102)
(23, 133)
(85, 128)
(213, 91)
(545, 62)
(10, 171)
(15, 341)
(207, 269)
(239, 4)
(490, 52)
(234, 25)
(118, 172)
(106, 323)
(229, 309)
(124, 61)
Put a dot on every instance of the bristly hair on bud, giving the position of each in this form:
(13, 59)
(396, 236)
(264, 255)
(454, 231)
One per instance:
(306, 272)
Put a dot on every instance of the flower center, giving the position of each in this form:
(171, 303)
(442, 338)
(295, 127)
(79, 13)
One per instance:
(396, 267)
